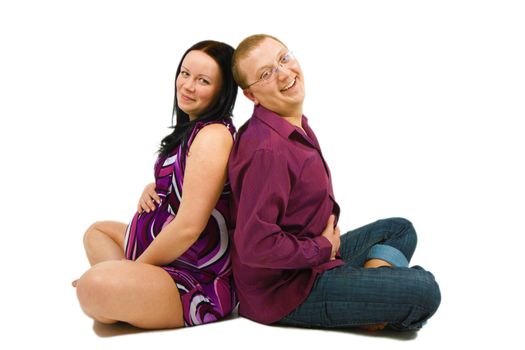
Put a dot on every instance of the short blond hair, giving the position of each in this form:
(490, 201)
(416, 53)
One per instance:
(242, 50)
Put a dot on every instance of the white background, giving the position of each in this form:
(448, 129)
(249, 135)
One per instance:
(416, 104)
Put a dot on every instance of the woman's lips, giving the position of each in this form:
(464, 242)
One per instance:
(186, 98)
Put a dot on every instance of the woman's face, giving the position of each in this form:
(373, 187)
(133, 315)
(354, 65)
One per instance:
(198, 83)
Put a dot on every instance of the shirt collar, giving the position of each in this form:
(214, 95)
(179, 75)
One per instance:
(276, 122)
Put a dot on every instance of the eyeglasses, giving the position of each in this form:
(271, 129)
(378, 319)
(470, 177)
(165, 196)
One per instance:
(269, 74)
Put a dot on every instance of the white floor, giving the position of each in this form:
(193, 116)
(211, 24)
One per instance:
(67, 327)
(39, 307)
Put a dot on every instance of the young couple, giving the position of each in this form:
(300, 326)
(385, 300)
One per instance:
(252, 221)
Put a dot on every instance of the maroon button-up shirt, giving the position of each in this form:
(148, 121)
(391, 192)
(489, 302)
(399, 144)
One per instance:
(282, 199)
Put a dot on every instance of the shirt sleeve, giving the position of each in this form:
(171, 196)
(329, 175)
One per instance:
(259, 239)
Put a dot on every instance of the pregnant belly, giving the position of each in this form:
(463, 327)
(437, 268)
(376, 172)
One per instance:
(143, 229)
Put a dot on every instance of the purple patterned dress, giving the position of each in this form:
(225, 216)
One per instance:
(203, 273)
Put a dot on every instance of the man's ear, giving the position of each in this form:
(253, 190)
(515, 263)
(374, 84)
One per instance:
(250, 96)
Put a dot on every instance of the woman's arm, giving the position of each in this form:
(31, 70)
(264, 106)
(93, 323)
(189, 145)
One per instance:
(204, 178)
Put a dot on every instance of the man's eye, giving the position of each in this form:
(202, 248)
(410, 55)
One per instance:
(266, 74)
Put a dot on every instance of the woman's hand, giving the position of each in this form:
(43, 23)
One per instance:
(147, 199)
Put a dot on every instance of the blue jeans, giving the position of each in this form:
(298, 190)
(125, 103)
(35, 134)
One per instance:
(351, 295)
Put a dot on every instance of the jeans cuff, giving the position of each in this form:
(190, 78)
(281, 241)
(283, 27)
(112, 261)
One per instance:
(388, 254)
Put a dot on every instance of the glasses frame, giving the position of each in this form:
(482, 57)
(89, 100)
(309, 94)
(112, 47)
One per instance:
(275, 68)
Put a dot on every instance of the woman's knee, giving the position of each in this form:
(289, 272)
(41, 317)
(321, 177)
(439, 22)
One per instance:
(93, 231)
(94, 289)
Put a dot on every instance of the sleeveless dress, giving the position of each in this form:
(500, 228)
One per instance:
(203, 273)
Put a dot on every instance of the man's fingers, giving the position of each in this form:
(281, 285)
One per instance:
(331, 220)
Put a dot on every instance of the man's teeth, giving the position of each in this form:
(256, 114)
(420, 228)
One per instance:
(289, 85)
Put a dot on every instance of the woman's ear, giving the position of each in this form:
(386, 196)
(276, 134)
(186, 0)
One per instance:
(250, 96)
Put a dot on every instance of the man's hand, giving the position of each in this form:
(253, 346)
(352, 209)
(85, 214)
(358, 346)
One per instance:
(332, 234)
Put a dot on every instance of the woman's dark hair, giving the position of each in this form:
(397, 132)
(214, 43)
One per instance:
(221, 108)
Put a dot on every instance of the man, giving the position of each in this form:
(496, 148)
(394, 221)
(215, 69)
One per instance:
(290, 263)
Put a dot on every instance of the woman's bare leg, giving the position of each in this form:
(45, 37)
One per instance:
(104, 240)
(140, 294)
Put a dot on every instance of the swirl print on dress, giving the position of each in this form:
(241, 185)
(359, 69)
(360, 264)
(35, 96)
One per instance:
(203, 273)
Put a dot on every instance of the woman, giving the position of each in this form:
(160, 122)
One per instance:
(170, 267)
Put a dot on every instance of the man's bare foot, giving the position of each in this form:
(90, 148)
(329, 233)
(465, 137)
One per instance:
(373, 263)
(374, 327)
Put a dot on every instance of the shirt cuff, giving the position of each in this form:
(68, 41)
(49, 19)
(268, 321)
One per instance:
(388, 254)
(325, 248)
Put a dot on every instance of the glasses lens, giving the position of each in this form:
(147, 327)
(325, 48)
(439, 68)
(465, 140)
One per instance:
(269, 74)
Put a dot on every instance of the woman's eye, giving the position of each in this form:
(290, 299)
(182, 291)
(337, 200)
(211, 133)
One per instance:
(184, 73)
(204, 81)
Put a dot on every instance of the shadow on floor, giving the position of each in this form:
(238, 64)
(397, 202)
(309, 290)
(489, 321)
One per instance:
(113, 330)
(385, 333)
(122, 328)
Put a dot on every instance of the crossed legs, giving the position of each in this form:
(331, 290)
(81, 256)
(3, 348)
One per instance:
(115, 289)
(356, 296)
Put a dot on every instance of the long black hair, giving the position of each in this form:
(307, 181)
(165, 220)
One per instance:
(221, 108)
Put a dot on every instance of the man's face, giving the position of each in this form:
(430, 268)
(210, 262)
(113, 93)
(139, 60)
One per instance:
(283, 91)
